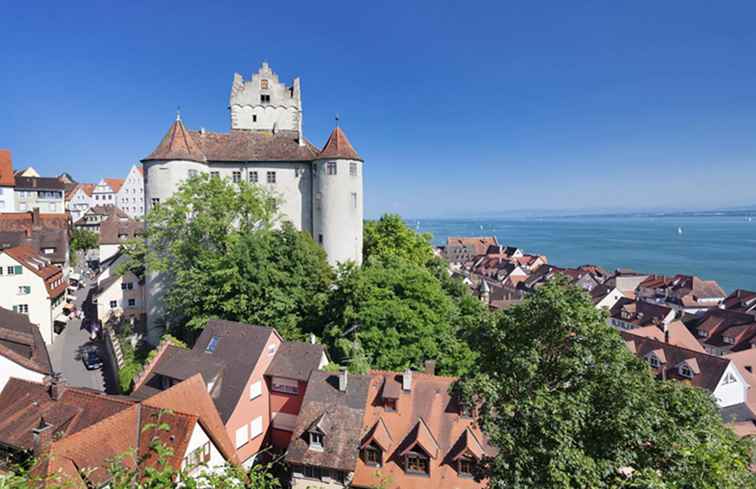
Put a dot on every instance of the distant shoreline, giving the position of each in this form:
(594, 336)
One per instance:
(745, 214)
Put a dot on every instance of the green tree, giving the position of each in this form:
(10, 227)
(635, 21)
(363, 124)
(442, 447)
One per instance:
(390, 236)
(222, 257)
(568, 406)
(396, 314)
(135, 252)
(83, 239)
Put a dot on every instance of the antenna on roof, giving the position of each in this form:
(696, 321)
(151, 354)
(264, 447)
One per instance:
(178, 114)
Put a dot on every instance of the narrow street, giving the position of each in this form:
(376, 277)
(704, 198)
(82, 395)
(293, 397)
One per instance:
(66, 351)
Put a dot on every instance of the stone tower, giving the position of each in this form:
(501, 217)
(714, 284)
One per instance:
(337, 194)
(264, 103)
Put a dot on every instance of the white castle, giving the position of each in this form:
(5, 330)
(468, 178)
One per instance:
(321, 190)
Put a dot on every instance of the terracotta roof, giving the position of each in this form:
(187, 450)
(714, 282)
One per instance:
(717, 323)
(679, 335)
(241, 145)
(638, 312)
(115, 184)
(119, 227)
(296, 360)
(40, 266)
(191, 397)
(712, 367)
(39, 183)
(7, 179)
(20, 221)
(22, 343)
(339, 147)
(380, 435)
(343, 423)
(741, 301)
(177, 144)
(41, 241)
(427, 415)
(479, 244)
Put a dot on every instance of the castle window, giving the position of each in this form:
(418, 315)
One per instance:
(264, 98)
(271, 177)
(353, 168)
(264, 84)
(215, 174)
(253, 177)
(254, 117)
(236, 176)
(354, 200)
(320, 239)
(331, 168)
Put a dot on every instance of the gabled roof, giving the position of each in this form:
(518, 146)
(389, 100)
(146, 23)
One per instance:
(243, 145)
(115, 184)
(22, 343)
(379, 434)
(177, 144)
(20, 221)
(692, 364)
(339, 147)
(468, 444)
(118, 227)
(7, 179)
(39, 183)
(296, 360)
(678, 335)
(421, 436)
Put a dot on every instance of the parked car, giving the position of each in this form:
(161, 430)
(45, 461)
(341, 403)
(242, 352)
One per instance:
(91, 358)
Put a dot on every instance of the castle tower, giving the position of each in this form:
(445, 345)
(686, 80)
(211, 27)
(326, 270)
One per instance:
(337, 200)
(264, 103)
(175, 159)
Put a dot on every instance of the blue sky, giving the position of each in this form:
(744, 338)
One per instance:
(459, 108)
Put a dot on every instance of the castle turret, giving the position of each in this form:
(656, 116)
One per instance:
(337, 200)
(175, 159)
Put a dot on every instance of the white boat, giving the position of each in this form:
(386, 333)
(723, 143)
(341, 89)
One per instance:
(679, 230)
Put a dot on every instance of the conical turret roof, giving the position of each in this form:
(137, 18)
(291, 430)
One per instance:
(177, 144)
(338, 146)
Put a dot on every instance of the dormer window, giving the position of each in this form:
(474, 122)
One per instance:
(416, 462)
(372, 455)
(729, 340)
(701, 333)
(466, 467)
(653, 361)
(389, 405)
(316, 440)
(729, 379)
(685, 371)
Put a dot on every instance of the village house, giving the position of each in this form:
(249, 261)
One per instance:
(685, 293)
(75, 433)
(44, 193)
(675, 333)
(79, 199)
(626, 281)
(46, 234)
(463, 249)
(106, 191)
(23, 353)
(723, 331)
(119, 295)
(115, 230)
(96, 215)
(130, 197)
(7, 182)
(605, 297)
(631, 314)
(717, 375)
(584, 279)
(741, 301)
(256, 380)
(30, 284)
(385, 429)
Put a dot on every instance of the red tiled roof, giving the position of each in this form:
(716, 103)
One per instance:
(679, 335)
(21, 221)
(7, 179)
(177, 144)
(114, 183)
(338, 146)
(40, 266)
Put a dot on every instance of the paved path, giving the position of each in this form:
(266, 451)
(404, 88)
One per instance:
(65, 352)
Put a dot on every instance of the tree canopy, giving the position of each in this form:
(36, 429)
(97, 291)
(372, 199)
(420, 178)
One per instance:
(224, 255)
(568, 406)
(83, 239)
(390, 236)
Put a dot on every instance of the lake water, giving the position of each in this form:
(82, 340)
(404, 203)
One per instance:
(721, 248)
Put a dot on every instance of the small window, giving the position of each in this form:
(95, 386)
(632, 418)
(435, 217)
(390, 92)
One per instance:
(253, 177)
(417, 463)
(24, 290)
(729, 340)
(331, 168)
(215, 174)
(354, 200)
(353, 168)
(311, 472)
(729, 379)
(316, 440)
(155, 202)
(132, 302)
(21, 308)
(236, 176)
(371, 455)
(254, 117)
(255, 428)
(466, 467)
(241, 436)
(265, 98)
(113, 304)
(264, 84)
(389, 405)
(192, 173)
(320, 239)
(685, 371)
(271, 177)
(653, 361)
(212, 345)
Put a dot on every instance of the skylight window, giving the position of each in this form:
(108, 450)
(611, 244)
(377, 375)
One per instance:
(212, 345)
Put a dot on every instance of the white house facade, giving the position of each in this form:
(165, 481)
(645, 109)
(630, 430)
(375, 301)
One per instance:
(130, 197)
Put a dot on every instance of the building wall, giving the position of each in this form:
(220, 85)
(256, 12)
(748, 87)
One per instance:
(9, 368)
(198, 439)
(130, 198)
(7, 200)
(103, 194)
(338, 211)
(79, 204)
(249, 409)
(248, 111)
(40, 310)
(47, 201)
(121, 296)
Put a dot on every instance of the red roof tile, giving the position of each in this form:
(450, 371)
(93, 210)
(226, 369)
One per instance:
(338, 146)
(177, 144)
(114, 183)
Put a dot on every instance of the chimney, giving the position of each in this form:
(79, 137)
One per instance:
(430, 367)
(35, 216)
(313, 339)
(41, 437)
(56, 386)
(343, 379)
(666, 335)
(407, 380)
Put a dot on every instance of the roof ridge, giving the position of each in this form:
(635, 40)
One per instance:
(663, 344)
